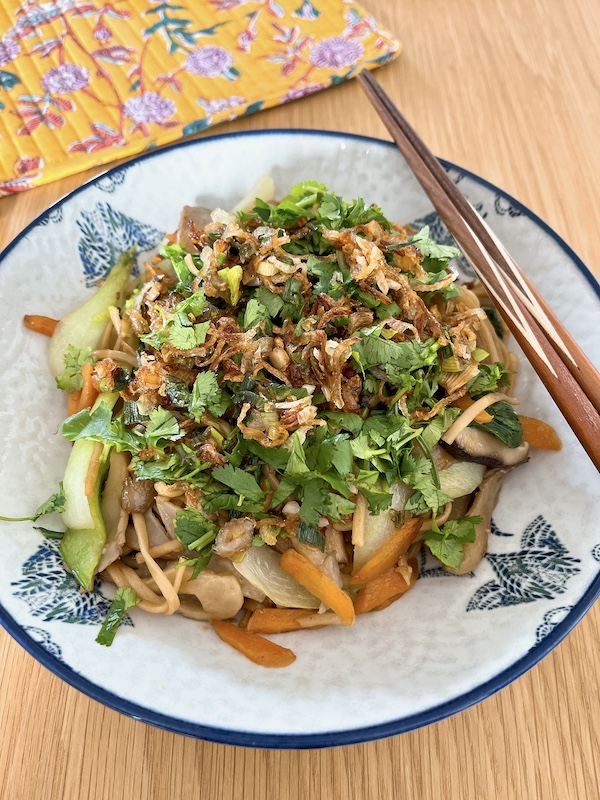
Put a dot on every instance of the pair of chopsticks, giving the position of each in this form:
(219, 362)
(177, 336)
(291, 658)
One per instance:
(568, 374)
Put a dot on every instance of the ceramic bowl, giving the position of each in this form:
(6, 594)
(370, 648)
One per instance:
(449, 642)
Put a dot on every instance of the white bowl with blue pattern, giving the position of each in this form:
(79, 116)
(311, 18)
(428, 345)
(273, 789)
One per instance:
(449, 642)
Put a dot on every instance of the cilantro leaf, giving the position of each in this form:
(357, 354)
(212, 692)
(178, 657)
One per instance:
(368, 484)
(256, 313)
(430, 249)
(373, 351)
(176, 255)
(55, 503)
(162, 425)
(418, 472)
(240, 481)
(446, 543)
(272, 302)
(314, 496)
(346, 420)
(293, 300)
(186, 337)
(208, 395)
(70, 379)
(123, 600)
(489, 378)
(193, 530)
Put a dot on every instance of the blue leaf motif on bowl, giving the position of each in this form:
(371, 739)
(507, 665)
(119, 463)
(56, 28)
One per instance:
(43, 637)
(53, 594)
(539, 571)
(111, 182)
(550, 620)
(55, 216)
(106, 233)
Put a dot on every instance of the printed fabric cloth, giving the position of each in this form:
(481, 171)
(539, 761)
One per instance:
(83, 82)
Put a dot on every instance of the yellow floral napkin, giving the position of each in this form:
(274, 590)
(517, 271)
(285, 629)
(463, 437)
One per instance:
(83, 82)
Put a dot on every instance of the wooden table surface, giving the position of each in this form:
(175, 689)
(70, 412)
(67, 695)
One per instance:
(511, 91)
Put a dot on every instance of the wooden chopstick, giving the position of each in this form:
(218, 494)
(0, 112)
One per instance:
(565, 370)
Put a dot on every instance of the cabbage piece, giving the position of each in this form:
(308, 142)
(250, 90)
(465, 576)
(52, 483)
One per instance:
(380, 527)
(461, 478)
(260, 567)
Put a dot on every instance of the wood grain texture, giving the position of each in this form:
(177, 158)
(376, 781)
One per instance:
(509, 90)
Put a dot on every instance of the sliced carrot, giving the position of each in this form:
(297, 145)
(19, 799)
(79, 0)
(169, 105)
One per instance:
(91, 477)
(279, 620)
(73, 402)
(317, 583)
(88, 393)
(465, 402)
(40, 324)
(257, 649)
(382, 591)
(540, 434)
(387, 556)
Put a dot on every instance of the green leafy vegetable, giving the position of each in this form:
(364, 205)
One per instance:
(255, 314)
(430, 249)
(243, 483)
(55, 503)
(489, 378)
(505, 424)
(123, 600)
(193, 530)
(70, 379)
(208, 395)
(446, 543)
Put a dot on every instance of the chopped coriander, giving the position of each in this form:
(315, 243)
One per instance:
(70, 380)
(124, 599)
(447, 543)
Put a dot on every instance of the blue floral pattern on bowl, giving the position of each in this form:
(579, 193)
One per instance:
(52, 594)
(539, 571)
(106, 233)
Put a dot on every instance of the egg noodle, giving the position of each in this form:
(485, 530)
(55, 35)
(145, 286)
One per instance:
(274, 420)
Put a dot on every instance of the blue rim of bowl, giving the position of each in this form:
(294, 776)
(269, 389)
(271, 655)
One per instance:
(289, 741)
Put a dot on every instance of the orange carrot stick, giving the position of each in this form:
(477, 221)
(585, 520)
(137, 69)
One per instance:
(539, 434)
(40, 324)
(257, 649)
(388, 554)
(382, 591)
(279, 620)
(73, 402)
(317, 583)
(465, 402)
(88, 393)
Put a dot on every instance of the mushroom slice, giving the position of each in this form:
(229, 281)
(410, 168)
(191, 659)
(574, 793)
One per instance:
(115, 518)
(482, 506)
(167, 512)
(199, 216)
(221, 595)
(473, 444)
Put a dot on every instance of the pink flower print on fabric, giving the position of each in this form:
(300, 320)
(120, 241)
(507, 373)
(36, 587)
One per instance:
(65, 79)
(208, 61)
(336, 52)
(9, 50)
(213, 107)
(101, 32)
(295, 93)
(149, 107)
